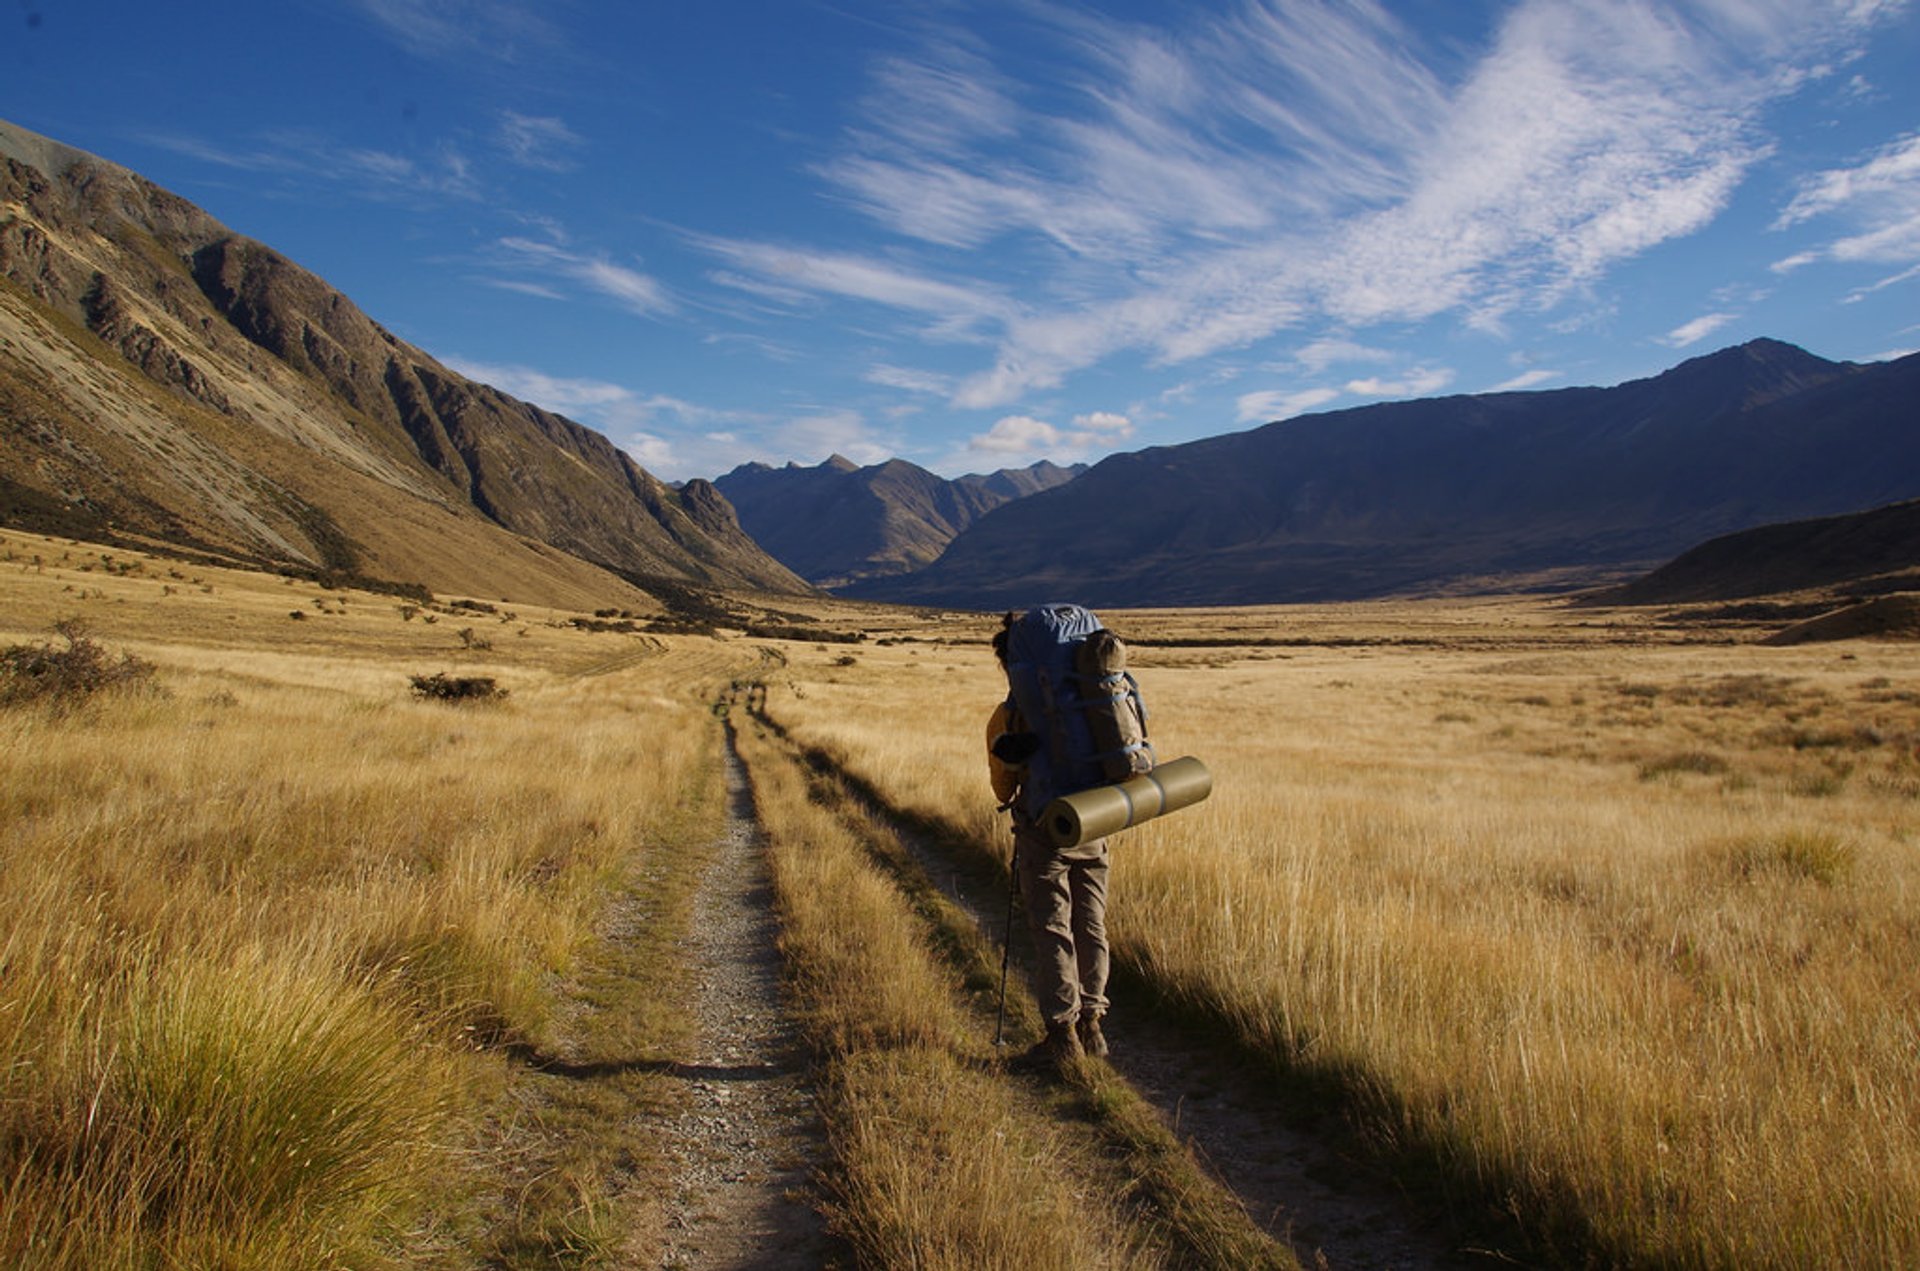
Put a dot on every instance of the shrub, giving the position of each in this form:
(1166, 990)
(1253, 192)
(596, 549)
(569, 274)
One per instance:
(441, 687)
(66, 677)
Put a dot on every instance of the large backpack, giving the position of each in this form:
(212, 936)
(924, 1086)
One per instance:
(1068, 679)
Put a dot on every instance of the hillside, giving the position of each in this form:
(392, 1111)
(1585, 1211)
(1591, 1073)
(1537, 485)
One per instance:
(1864, 552)
(838, 523)
(161, 375)
(1450, 493)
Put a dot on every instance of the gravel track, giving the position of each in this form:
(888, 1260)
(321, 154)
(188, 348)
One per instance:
(742, 1146)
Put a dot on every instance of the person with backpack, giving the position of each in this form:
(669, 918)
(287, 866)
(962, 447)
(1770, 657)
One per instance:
(1072, 720)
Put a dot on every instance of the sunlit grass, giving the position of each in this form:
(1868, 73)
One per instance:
(1617, 934)
(263, 932)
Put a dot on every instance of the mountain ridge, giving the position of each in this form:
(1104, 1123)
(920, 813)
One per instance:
(837, 523)
(170, 376)
(1442, 493)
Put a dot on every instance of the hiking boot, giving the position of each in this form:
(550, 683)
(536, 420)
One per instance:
(1092, 1040)
(1060, 1047)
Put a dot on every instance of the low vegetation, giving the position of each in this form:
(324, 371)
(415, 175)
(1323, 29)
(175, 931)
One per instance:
(1614, 939)
(1598, 930)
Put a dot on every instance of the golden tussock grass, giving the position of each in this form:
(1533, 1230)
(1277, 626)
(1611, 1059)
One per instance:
(934, 1164)
(1618, 933)
(262, 929)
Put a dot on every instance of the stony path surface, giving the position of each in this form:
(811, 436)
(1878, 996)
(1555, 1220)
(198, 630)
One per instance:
(742, 1146)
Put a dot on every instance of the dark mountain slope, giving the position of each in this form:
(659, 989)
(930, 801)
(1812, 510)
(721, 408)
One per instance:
(839, 522)
(164, 374)
(1418, 495)
(1866, 551)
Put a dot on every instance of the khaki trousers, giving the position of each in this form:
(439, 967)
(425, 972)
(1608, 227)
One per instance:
(1066, 900)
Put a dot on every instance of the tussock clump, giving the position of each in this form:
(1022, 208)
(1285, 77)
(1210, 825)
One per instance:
(441, 687)
(1684, 761)
(63, 678)
(1818, 856)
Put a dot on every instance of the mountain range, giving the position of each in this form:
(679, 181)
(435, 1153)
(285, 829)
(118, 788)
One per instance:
(838, 523)
(163, 376)
(1570, 486)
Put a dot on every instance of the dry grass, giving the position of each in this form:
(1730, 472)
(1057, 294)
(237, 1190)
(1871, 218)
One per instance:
(934, 1164)
(264, 933)
(1614, 931)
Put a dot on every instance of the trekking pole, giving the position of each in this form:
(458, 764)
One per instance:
(1006, 943)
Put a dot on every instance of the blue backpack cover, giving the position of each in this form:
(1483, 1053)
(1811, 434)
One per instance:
(1066, 680)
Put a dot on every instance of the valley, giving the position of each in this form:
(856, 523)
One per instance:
(1540, 932)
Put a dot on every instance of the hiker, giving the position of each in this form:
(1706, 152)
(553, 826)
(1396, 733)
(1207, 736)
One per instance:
(1065, 890)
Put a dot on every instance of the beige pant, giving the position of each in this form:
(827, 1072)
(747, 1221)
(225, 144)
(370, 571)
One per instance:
(1066, 899)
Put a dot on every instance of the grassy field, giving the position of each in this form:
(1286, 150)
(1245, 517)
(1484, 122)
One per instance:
(274, 928)
(1606, 926)
(1599, 925)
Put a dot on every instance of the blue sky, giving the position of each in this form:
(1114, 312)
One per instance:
(976, 233)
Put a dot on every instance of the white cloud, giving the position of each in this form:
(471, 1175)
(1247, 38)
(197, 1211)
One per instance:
(1419, 382)
(493, 30)
(1017, 434)
(636, 291)
(1280, 404)
(1525, 380)
(555, 393)
(539, 141)
(1892, 280)
(1024, 435)
(1893, 170)
(1799, 260)
(911, 380)
(1221, 179)
(1316, 357)
(956, 308)
(1699, 329)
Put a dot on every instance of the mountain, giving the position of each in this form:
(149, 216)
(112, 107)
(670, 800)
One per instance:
(1866, 552)
(1469, 491)
(838, 523)
(162, 375)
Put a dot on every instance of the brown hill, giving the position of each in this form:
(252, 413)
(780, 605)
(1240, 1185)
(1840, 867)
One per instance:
(1882, 618)
(1878, 550)
(162, 375)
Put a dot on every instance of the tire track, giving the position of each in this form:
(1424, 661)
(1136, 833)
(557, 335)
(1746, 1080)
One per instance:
(743, 1145)
(1333, 1211)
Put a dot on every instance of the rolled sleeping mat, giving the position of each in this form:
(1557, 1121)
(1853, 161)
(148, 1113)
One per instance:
(1080, 818)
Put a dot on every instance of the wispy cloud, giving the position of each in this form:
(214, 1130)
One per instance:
(541, 142)
(636, 291)
(911, 380)
(1697, 330)
(1281, 404)
(677, 439)
(488, 30)
(1203, 185)
(313, 157)
(1525, 380)
(1879, 199)
(1415, 383)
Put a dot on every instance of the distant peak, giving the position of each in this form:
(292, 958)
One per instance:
(840, 463)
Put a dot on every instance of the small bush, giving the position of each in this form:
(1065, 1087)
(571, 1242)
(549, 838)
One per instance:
(1696, 761)
(441, 687)
(66, 677)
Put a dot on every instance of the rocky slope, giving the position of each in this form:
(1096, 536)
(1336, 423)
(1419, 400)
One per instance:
(1476, 491)
(838, 523)
(163, 375)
